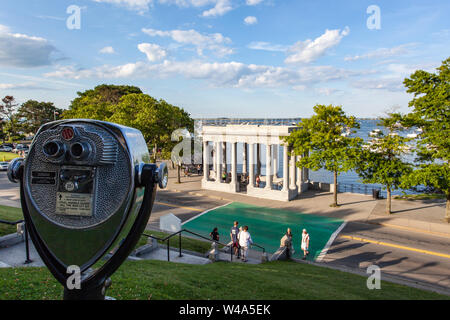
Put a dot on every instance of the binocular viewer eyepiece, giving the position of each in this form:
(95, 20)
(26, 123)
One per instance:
(87, 189)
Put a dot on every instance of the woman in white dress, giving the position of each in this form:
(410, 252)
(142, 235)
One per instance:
(305, 243)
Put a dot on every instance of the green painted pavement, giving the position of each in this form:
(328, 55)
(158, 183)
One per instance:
(267, 226)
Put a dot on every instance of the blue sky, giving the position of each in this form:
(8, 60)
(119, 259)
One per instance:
(230, 58)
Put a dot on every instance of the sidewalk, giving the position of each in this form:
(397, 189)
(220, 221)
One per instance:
(419, 216)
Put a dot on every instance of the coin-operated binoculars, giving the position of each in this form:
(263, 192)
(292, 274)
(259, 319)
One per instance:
(87, 191)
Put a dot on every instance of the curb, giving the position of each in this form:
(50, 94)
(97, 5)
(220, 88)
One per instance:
(433, 233)
(388, 225)
(385, 277)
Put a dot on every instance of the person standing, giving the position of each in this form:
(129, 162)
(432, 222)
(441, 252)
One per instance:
(286, 241)
(245, 240)
(234, 232)
(214, 234)
(305, 243)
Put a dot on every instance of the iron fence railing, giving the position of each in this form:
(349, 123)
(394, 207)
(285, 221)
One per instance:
(167, 239)
(360, 188)
(27, 246)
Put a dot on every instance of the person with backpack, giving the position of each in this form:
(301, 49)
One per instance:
(245, 241)
(234, 235)
(305, 243)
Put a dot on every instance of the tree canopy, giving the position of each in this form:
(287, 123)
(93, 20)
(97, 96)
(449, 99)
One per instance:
(98, 103)
(325, 141)
(34, 114)
(431, 116)
(381, 159)
(127, 105)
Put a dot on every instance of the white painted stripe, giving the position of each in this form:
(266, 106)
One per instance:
(199, 215)
(330, 242)
(4, 265)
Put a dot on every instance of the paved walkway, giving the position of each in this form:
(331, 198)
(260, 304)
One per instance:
(426, 216)
(423, 216)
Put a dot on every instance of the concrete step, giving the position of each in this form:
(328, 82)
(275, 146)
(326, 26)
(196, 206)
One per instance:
(226, 257)
(14, 256)
(161, 254)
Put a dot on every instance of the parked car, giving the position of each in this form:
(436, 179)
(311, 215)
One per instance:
(20, 147)
(3, 166)
(5, 149)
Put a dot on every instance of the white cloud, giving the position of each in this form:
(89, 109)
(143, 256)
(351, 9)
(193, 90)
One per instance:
(22, 86)
(153, 51)
(253, 2)
(382, 53)
(310, 50)
(327, 91)
(228, 74)
(214, 42)
(390, 84)
(188, 3)
(250, 20)
(4, 29)
(107, 50)
(20, 50)
(221, 7)
(138, 5)
(266, 46)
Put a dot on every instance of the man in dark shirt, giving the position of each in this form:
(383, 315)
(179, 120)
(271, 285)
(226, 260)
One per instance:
(234, 232)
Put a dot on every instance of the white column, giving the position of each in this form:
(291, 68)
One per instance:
(224, 156)
(292, 171)
(214, 159)
(268, 167)
(258, 158)
(244, 158)
(205, 161)
(285, 168)
(299, 176)
(275, 160)
(219, 162)
(233, 163)
(251, 165)
(305, 172)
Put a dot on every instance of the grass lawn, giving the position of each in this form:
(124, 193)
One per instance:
(422, 196)
(9, 214)
(7, 156)
(164, 280)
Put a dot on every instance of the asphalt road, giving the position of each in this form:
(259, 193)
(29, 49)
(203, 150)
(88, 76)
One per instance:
(352, 248)
(394, 251)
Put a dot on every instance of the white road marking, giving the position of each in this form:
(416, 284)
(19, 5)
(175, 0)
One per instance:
(199, 215)
(330, 242)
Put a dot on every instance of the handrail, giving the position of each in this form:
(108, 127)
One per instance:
(27, 247)
(11, 223)
(167, 238)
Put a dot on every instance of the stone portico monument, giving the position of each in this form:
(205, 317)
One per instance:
(252, 137)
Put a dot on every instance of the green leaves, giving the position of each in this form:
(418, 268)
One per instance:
(128, 106)
(325, 141)
(34, 114)
(431, 114)
(326, 136)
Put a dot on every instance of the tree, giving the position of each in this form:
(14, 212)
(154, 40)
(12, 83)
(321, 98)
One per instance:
(431, 116)
(127, 105)
(8, 112)
(155, 119)
(325, 141)
(381, 161)
(35, 114)
(98, 103)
